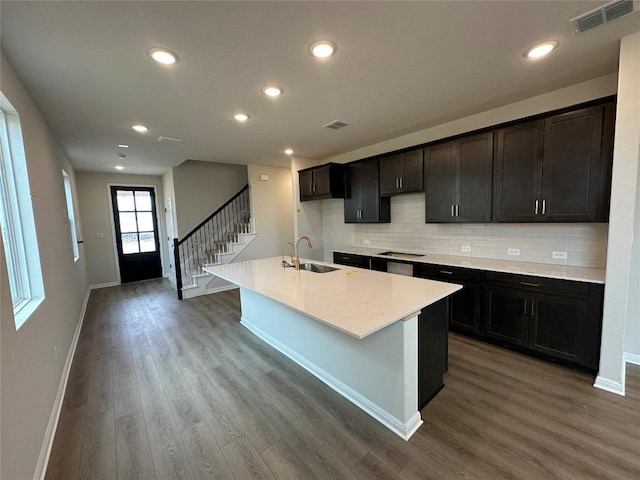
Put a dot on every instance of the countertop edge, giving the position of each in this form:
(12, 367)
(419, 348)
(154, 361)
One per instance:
(456, 262)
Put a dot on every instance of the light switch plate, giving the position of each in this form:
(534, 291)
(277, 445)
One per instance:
(559, 255)
(513, 251)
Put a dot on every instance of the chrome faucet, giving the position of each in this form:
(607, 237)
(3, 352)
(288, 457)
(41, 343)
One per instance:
(284, 263)
(296, 262)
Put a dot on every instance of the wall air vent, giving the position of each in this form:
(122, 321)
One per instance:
(164, 139)
(605, 13)
(336, 124)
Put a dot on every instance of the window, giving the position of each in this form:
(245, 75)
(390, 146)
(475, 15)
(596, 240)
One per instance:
(71, 217)
(16, 218)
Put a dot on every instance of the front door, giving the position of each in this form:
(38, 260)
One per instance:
(136, 228)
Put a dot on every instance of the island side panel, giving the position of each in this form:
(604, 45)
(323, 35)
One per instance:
(379, 373)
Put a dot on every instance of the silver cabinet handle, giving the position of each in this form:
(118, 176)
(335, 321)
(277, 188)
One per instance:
(527, 284)
(397, 183)
(453, 210)
(544, 207)
(536, 212)
(525, 306)
(533, 307)
(457, 210)
(447, 272)
(401, 182)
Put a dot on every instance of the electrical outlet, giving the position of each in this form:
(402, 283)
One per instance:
(559, 255)
(513, 251)
(465, 248)
(366, 241)
(99, 235)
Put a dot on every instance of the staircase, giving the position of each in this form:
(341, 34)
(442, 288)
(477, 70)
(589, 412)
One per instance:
(217, 240)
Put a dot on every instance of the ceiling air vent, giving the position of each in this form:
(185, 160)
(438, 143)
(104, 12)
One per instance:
(164, 139)
(605, 13)
(336, 124)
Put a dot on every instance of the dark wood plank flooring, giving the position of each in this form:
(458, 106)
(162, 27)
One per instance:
(180, 390)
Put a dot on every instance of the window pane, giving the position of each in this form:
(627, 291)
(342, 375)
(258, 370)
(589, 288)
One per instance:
(145, 221)
(125, 200)
(128, 222)
(143, 201)
(147, 242)
(130, 243)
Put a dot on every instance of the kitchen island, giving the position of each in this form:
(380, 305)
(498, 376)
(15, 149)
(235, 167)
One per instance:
(355, 329)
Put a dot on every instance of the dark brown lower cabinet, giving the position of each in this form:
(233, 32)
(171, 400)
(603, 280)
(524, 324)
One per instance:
(556, 319)
(465, 309)
(433, 350)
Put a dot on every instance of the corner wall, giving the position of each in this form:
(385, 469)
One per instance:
(620, 327)
(33, 359)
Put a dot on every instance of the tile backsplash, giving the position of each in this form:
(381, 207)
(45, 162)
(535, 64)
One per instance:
(585, 244)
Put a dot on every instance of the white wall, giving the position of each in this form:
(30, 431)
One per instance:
(95, 205)
(620, 320)
(215, 183)
(271, 207)
(32, 360)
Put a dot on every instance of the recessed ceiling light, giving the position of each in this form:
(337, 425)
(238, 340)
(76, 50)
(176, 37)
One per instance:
(540, 50)
(163, 56)
(322, 48)
(140, 128)
(272, 91)
(288, 151)
(118, 167)
(241, 117)
(122, 145)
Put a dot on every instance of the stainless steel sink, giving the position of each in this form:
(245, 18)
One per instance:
(316, 267)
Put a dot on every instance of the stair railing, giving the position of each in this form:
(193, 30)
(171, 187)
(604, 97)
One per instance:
(204, 244)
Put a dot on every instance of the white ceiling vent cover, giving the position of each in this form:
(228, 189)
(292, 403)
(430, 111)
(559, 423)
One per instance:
(164, 139)
(336, 124)
(601, 15)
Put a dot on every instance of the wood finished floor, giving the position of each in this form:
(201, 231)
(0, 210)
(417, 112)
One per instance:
(180, 390)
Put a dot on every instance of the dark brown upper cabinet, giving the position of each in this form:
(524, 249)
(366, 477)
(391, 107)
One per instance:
(319, 183)
(458, 180)
(402, 173)
(555, 169)
(362, 201)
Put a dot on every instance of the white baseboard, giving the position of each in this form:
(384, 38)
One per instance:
(50, 433)
(632, 358)
(103, 285)
(609, 385)
(223, 288)
(402, 429)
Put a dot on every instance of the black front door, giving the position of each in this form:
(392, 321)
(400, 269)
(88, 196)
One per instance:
(136, 225)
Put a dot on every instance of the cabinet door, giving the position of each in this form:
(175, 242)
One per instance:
(439, 181)
(518, 173)
(390, 174)
(573, 166)
(374, 209)
(351, 260)
(473, 179)
(557, 327)
(322, 181)
(352, 194)
(433, 350)
(306, 184)
(412, 171)
(506, 316)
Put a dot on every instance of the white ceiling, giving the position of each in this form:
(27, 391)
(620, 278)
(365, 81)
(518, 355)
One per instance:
(400, 67)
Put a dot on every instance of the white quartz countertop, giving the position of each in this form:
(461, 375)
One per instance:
(356, 301)
(562, 272)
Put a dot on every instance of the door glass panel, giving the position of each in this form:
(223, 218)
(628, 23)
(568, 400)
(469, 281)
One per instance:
(147, 242)
(130, 243)
(128, 222)
(125, 200)
(145, 222)
(143, 201)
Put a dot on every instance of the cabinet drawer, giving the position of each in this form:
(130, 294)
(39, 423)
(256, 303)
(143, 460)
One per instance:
(445, 272)
(543, 284)
(351, 260)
